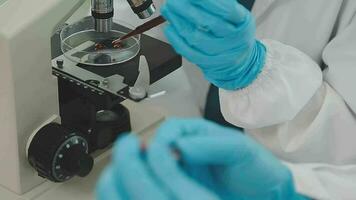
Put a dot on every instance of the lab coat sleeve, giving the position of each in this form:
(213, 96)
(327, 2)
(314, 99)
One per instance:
(325, 182)
(287, 83)
(302, 119)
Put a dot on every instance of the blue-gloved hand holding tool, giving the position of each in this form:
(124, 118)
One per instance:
(218, 36)
(214, 163)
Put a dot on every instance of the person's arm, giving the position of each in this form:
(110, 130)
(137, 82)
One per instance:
(304, 120)
(271, 89)
(288, 81)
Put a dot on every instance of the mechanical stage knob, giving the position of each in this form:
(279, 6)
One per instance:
(58, 153)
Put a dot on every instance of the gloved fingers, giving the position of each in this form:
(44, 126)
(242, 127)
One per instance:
(202, 40)
(243, 167)
(204, 142)
(224, 149)
(243, 158)
(229, 10)
(165, 166)
(184, 26)
(132, 171)
(202, 174)
(108, 187)
(194, 55)
(184, 11)
(175, 128)
(181, 46)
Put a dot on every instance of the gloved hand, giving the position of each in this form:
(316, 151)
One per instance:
(214, 163)
(218, 36)
(130, 177)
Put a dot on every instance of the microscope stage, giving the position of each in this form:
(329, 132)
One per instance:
(161, 58)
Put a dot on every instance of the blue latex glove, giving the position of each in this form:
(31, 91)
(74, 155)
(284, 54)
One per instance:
(130, 177)
(218, 36)
(215, 163)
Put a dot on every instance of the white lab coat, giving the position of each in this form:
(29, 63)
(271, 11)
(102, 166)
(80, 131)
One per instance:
(303, 115)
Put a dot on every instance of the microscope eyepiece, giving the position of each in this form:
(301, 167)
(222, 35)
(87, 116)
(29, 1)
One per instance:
(143, 8)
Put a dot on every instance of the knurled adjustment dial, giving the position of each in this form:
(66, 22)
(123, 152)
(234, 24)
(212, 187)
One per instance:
(59, 154)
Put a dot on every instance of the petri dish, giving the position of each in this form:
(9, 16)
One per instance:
(79, 42)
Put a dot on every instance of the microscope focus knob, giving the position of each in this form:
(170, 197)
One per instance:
(58, 154)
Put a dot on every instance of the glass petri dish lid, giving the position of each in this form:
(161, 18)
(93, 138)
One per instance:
(80, 43)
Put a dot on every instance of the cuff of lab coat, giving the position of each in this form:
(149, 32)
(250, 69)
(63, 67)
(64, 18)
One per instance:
(287, 82)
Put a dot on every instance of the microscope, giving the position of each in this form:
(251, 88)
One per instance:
(62, 100)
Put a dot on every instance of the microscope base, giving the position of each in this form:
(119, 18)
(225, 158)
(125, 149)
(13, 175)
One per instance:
(144, 121)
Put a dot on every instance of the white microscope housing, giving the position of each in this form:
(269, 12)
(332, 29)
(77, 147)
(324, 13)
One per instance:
(28, 91)
(30, 96)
